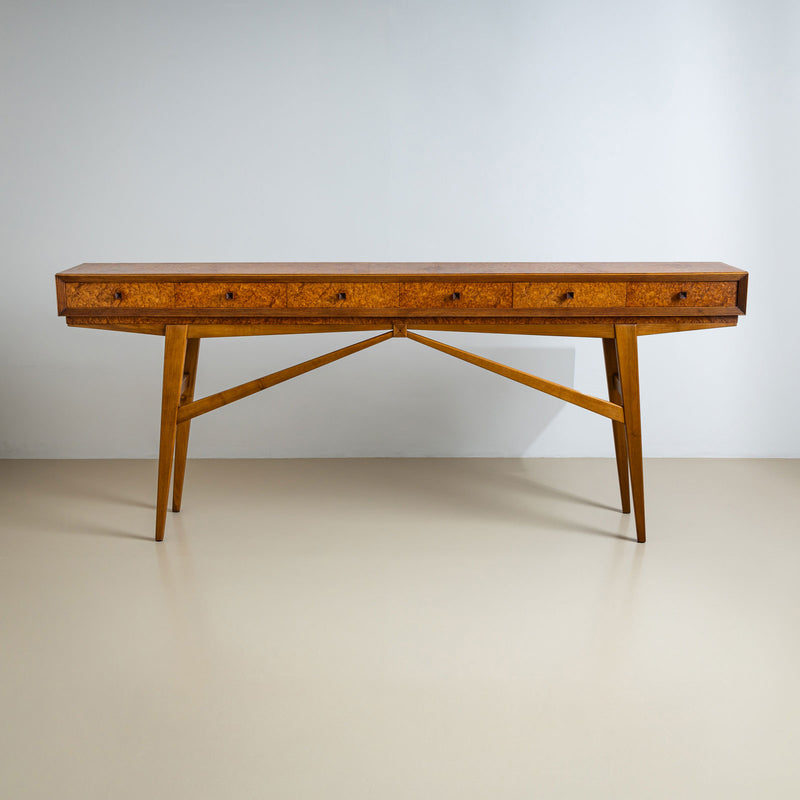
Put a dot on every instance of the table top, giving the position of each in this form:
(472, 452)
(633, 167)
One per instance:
(382, 294)
(386, 269)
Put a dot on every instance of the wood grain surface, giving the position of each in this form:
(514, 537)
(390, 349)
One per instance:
(141, 292)
(584, 294)
(120, 294)
(452, 295)
(343, 294)
(691, 294)
(389, 269)
(151, 324)
(230, 294)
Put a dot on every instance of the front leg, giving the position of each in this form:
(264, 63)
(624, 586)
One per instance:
(174, 354)
(627, 351)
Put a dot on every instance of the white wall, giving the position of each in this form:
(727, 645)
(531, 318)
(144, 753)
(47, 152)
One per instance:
(435, 130)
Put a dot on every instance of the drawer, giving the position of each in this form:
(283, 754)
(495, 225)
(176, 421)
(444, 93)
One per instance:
(218, 294)
(578, 294)
(342, 295)
(690, 294)
(447, 295)
(119, 295)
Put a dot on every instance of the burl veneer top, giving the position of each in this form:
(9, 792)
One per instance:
(406, 269)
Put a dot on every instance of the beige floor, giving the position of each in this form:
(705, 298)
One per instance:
(400, 629)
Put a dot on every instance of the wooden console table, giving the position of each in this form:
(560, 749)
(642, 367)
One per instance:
(615, 302)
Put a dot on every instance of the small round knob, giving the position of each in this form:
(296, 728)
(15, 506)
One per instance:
(455, 296)
(118, 295)
(682, 295)
(341, 295)
(229, 295)
(569, 295)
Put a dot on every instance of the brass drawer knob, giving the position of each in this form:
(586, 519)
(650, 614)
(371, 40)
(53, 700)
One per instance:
(341, 295)
(229, 295)
(569, 295)
(455, 296)
(682, 295)
(118, 295)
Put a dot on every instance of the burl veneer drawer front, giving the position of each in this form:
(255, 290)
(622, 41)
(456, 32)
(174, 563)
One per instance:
(230, 295)
(441, 295)
(119, 295)
(690, 294)
(342, 295)
(569, 295)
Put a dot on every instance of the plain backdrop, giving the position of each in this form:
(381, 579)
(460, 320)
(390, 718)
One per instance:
(437, 130)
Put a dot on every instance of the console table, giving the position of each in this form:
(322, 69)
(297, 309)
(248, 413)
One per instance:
(614, 302)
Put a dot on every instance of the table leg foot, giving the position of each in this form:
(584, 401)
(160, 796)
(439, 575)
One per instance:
(174, 355)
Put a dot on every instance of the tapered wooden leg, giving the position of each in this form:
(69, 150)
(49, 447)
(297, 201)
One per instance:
(182, 434)
(174, 352)
(620, 446)
(627, 351)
